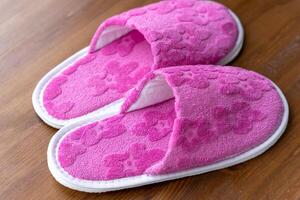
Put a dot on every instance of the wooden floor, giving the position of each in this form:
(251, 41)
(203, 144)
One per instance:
(35, 35)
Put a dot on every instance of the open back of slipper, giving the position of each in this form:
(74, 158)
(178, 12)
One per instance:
(176, 122)
(129, 45)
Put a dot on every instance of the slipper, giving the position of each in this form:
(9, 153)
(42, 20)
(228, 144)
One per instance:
(129, 45)
(177, 122)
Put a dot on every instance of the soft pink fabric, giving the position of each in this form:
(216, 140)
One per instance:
(98, 78)
(176, 32)
(218, 112)
(124, 145)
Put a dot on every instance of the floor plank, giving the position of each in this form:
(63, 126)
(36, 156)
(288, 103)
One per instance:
(36, 35)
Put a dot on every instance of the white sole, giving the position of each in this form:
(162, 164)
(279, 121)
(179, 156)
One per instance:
(103, 186)
(37, 96)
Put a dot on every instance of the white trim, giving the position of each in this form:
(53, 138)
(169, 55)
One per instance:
(110, 34)
(37, 96)
(149, 95)
(103, 186)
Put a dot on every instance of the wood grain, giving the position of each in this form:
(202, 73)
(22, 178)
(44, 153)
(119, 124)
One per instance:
(36, 35)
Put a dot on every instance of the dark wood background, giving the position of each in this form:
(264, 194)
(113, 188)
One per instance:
(35, 35)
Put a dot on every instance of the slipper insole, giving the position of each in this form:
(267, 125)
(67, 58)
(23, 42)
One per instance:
(99, 78)
(121, 146)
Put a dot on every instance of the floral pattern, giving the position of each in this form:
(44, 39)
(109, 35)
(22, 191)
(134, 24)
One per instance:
(238, 118)
(54, 88)
(156, 125)
(185, 3)
(69, 152)
(194, 17)
(174, 42)
(193, 133)
(186, 46)
(114, 77)
(91, 134)
(133, 162)
(251, 89)
(227, 125)
(180, 34)
(165, 8)
(124, 46)
(201, 15)
(60, 110)
(195, 80)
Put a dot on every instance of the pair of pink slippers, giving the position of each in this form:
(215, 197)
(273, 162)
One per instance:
(136, 107)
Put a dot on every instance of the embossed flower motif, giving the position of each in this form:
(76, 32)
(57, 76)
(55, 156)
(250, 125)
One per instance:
(255, 87)
(264, 85)
(183, 44)
(185, 3)
(156, 125)
(92, 134)
(201, 15)
(229, 71)
(194, 133)
(230, 89)
(168, 48)
(199, 37)
(53, 90)
(252, 94)
(186, 30)
(193, 43)
(172, 36)
(169, 6)
(230, 85)
(191, 35)
(249, 88)
(194, 80)
(165, 7)
(133, 162)
(98, 83)
(125, 45)
(59, 110)
(192, 16)
(114, 77)
(229, 28)
(122, 77)
(68, 153)
(238, 119)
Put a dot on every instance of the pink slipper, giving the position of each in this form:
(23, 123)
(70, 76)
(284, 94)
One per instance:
(127, 46)
(220, 116)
